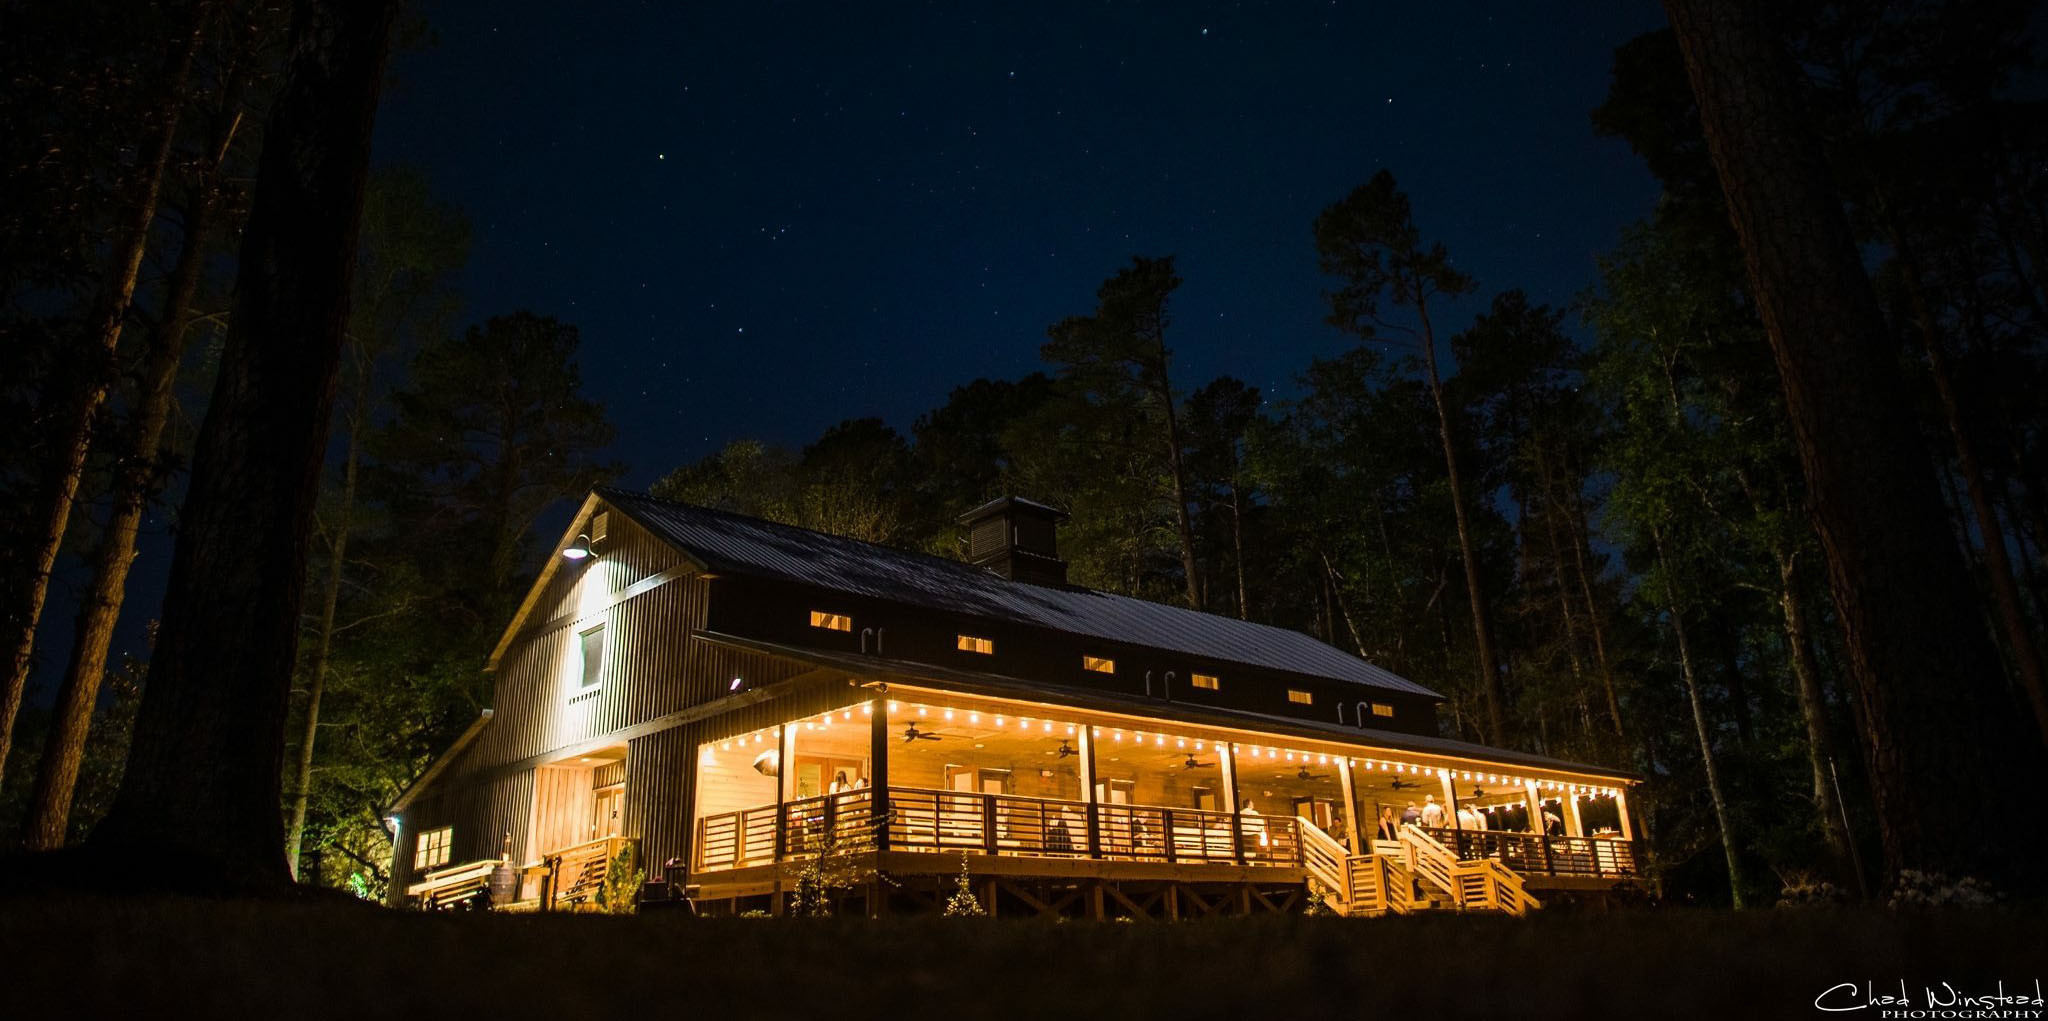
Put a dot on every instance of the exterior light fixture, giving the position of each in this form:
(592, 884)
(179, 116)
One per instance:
(577, 550)
(768, 763)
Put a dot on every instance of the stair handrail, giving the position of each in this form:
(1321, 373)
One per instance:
(1431, 860)
(1505, 888)
(1326, 859)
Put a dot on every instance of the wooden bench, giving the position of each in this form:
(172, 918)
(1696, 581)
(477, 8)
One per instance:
(465, 885)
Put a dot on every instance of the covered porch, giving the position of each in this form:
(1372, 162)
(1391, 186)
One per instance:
(923, 779)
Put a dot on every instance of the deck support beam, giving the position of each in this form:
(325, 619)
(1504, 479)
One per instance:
(1227, 758)
(1350, 804)
(1450, 798)
(1628, 831)
(1574, 826)
(1088, 792)
(878, 764)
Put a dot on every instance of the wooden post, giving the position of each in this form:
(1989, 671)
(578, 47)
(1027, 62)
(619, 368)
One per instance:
(1450, 799)
(988, 823)
(785, 772)
(878, 784)
(1573, 825)
(1088, 795)
(1536, 824)
(1628, 831)
(1228, 760)
(1350, 803)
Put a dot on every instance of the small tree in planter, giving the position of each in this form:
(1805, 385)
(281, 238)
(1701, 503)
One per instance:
(963, 903)
(619, 894)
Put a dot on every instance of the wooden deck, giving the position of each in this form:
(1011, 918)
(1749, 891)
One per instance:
(1057, 857)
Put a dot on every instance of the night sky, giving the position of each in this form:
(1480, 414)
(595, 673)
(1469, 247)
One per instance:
(766, 218)
(769, 217)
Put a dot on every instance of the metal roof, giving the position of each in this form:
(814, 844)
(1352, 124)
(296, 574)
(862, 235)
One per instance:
(737, 544)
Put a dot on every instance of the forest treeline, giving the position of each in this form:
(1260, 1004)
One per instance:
(1592, 526)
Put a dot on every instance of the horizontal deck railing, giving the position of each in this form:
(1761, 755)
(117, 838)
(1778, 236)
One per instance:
(1601, 857)
(920, 819)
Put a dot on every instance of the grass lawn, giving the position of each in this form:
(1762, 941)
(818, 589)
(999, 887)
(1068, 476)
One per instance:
(162, 958)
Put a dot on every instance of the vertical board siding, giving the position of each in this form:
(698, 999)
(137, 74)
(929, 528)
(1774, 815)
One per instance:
(652, 668)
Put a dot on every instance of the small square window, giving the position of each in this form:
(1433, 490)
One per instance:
(590, 657)
(1300, 697)
(969, 643)
(1206, 682)
(1382, 709)
(432, 848)
(831, 621)
(1098, 664)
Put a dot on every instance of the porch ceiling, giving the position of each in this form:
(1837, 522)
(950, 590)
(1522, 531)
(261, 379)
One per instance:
(1001, 685)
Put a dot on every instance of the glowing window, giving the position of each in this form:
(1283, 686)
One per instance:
(1300, 697)
(1206, 682)
(590, 657)
(1382, 709)
(969, 643)
(1098, 664)
(831, 621)
(432, 848)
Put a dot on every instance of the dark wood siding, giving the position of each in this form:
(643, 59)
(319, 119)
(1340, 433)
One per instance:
(780, 612)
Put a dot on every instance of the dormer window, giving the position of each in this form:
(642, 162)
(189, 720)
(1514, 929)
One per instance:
(831, 621)
(1098, 664)
(1300, 697)
(984, 646)
(1206, 682)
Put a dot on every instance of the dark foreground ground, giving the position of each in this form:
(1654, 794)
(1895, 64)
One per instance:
(175, 958)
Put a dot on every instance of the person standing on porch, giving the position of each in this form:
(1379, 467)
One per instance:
(839, 783)
(1389, 828)
(1432, 813)
(1411, 815)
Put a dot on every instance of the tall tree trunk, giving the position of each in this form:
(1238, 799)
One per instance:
(201, 793)
(1813, 709)
(1237, 547)
(2005, 593)
(1181, 520)
(1336, 582)
(1475, 590)
(138, 480)
(1941, 739)
(1708, 760)
(1582, 555)
(324, 645)
(58, 487)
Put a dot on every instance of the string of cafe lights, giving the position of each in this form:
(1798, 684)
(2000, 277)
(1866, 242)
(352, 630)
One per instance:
(1114, 736)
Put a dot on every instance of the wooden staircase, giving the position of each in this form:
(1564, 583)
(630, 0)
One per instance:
(1471, 884)
(1424, 876)
(1356, 884)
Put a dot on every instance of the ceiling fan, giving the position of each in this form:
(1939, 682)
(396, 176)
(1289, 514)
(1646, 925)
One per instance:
(1478, 792)
(1304, 774)
(1191, 763)
(911, 733)
(1399, 784)
(1064, 750)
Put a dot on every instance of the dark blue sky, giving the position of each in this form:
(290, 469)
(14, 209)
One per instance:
(768, 217)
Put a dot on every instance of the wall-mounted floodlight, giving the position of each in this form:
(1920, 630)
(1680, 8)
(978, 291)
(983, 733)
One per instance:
(578, 550)
(768, 763)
